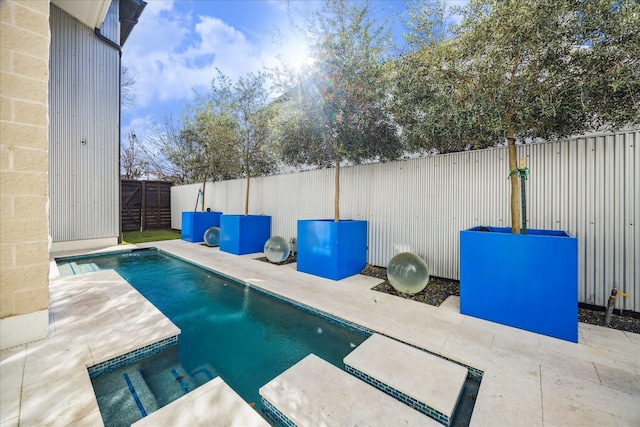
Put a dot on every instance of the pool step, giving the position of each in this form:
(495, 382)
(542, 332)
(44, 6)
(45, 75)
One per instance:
(213, 404)
(65, 269)
(428, 383)
(313, 392)
(169, 383)
(73, 268)
(204, 373)
(129, 393)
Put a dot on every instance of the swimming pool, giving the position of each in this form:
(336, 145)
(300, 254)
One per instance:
(228, 329)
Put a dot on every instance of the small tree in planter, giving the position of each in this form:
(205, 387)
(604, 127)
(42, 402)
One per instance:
(516, 71)
(208, 131)
(205, 132)
(246, 103)
(332, 112)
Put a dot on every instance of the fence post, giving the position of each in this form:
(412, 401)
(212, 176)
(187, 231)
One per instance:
(143, 208)
(158, 203)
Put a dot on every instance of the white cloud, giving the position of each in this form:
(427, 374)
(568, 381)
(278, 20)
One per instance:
(231, 50)
(280, 5)
(171, 54)
(141, 126)
(154, 8)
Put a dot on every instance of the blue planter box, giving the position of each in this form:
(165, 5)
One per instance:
(244, 234)
(334, 250)
(525, 281)
(194, 224)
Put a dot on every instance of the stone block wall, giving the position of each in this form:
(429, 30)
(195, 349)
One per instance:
(24, 119)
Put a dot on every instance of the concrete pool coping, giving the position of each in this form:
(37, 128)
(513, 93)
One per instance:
(529, 379)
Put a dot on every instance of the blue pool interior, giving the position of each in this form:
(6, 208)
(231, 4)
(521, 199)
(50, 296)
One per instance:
(228, 329)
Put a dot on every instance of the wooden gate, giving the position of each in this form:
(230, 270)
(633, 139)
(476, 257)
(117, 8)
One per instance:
(145, 205)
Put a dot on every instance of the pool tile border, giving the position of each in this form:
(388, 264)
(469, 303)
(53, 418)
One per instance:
(402, 397)
(274, 414)
(131, 357)
(68, 258)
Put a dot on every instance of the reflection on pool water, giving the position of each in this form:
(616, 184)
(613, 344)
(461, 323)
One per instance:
(228, 330)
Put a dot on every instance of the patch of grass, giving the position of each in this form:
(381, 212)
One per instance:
(132, 237)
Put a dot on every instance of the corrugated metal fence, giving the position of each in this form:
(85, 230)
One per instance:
(588, 186)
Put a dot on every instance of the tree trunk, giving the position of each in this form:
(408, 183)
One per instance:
(513, 165)
(246, 196)
(336, 201)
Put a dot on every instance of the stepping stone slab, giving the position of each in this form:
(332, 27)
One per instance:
(212, 404)
(313, 392)
(429, 383)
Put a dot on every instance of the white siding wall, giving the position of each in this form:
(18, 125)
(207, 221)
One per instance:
(84, 104)
(588, 186)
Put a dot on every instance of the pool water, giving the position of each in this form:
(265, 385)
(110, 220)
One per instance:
(228, 330)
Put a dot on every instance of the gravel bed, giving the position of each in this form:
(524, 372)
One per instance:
(439, 289)
(291, 259)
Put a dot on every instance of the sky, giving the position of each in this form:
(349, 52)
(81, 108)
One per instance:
(175, 48)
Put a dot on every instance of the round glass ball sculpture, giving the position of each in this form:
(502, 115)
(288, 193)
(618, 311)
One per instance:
(408, 273)
(277, 249)
(212, 236)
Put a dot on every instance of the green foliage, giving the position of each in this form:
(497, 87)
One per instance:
(205, 135)
(192, 150)
(223, 135)
(524, 69)
(518, 69)
(244, 105)
(334, 108)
